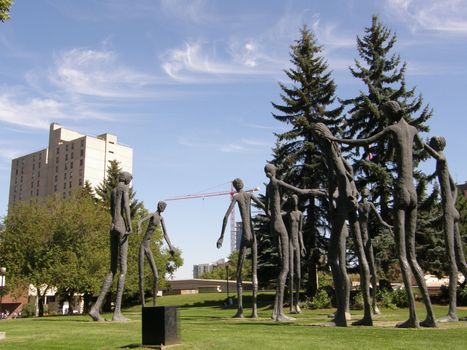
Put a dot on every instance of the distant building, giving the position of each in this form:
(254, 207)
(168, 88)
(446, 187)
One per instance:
(463, 189)
(200, 269)
(70, 160)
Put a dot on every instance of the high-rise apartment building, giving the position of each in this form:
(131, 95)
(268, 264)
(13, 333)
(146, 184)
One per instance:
(70, 160)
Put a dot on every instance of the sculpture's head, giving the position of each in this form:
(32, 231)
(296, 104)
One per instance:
(125, 177)
(438, 143)
(161, 205)
(270, 170)
(323, 133)
(293, 201)
(392, 110)
(237, 184)
(365, 192)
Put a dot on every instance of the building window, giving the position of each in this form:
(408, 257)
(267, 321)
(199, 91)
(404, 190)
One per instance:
(66, 166)
(38, 183)
(56, 160)
(56, 178)
(69, 186)
(82, 143)
(80, 182)
(55, 188)
(21, 178)
(66, 147)
(80, 162)
(72, 146)
(71, 165)
(16, 171)
(58, 150)
(81, 153)
(39, 173)
(64, 176)
(71, 155)
(33, 166)
(40, 165)
(66, 156)
(37, 192)
(64, 185)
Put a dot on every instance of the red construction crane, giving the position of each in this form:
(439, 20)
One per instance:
(232, 191)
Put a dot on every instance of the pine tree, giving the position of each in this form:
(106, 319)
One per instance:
(309, 98)
(383, 74)
(104, 190)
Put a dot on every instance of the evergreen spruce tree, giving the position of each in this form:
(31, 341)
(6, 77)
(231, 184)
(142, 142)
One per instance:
(104, 190)
(308, 98)
(383, 74)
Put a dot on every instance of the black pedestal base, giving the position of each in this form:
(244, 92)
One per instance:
(160, 325)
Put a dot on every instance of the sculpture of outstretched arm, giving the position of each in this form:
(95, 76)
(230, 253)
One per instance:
(143, 220)
(361, 142)
(378, 216)
(257, 201)
(166, 237)
(300, 236)
(292, 188)
(224, 222)
(428, 148)
(126, 205)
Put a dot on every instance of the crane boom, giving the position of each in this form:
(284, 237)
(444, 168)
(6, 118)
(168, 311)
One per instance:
(233, 229)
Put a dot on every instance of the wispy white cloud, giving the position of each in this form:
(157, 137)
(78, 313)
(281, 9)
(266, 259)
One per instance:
(240, 146)
(446, 16)
(98, 73)
(10, 153)
(201, 62)
(194, 11)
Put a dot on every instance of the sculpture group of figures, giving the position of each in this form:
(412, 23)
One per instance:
(345, 213)
(119, 232)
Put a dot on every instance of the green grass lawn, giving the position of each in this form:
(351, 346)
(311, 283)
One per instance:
(206, 324)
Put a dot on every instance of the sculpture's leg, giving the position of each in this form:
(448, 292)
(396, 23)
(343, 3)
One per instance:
(374, 277)
(280, 316)
(459, 248)
(241, 259)
(291, 278)
(364, 273)
(141, 275)
(399, 235)
(254, 275)
(298, 277)
(95, 309)
(411, 226)
(453, 272)
(123, 254)
(336, 257)
(155, 275)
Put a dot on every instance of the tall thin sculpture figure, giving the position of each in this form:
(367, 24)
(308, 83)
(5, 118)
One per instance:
(365, 208)
(343, 199)
(248, 240)
(294, 219)
(155, 220)
(454, 244)
(279, 232)
(404, 136)
(119, 231)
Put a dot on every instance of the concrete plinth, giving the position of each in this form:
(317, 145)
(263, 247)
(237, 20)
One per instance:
(160, 326)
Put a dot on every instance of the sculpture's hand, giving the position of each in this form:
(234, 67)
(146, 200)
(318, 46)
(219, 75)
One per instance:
(172, 252)
(303, 252)
(219, 242)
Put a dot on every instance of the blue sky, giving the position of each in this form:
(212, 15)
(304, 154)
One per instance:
(189, 84)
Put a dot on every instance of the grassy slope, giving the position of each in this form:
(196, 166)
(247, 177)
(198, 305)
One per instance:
(206, 325)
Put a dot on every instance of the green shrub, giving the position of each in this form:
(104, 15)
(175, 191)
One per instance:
(384, 299)
(320, 301)
(462, 296)
(29, 310)
(356, 303)
(399, 297)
